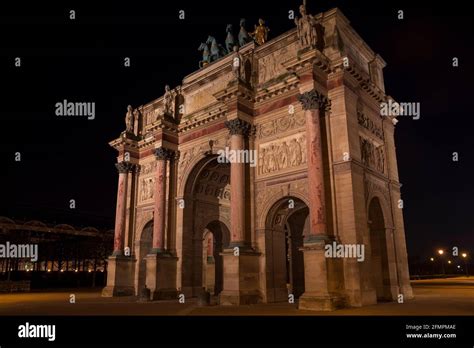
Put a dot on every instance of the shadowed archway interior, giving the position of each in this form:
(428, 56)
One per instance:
(286, 224)
(378, 247)
(206, 232)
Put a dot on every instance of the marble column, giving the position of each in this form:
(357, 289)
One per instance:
(317, 295)
(120, 267)
(161, 266)
(238, 129)
(162, 156)
(241, 267)
(123, 168)
(311, 102)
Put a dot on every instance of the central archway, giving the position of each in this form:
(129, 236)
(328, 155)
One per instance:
(206, 231)
(285, 227)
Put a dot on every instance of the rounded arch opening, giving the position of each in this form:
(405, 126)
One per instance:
(285, 226)
(205, 233)
(378, 250)
(144, 247)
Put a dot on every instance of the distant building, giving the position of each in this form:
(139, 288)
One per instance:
(60, 248)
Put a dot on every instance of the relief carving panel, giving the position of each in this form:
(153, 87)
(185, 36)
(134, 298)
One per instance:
(270, 66)
(281, 154)
(280, 124)
(371, 155)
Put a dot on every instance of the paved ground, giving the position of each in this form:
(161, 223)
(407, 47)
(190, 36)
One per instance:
(454, 296)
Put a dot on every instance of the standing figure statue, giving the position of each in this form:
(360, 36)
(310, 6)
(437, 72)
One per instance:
(237, 65)
(306, 28)
(206, 56)
(179, 104)
(229, 41)
(217, 51)
(168, 101)
(129, 120)
(260, 34)
(136, 121)
(244, 36)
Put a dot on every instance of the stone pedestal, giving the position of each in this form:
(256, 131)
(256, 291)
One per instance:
(119, 276)
(317, 296)
(241, 278)
(161, 276)
(407, 291)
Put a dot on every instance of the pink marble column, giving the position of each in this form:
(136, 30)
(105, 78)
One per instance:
(162, 156)
(312, 101)
(210, 245)
(238, 129)
(123, 169)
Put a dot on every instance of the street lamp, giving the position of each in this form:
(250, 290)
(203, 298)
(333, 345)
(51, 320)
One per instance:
(441, 252)
(464, 256)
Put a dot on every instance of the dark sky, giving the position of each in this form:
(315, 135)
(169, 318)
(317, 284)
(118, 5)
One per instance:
(82, 60)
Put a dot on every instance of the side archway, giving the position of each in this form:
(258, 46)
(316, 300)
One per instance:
(379, 266)
(285, 226)
(142, 249)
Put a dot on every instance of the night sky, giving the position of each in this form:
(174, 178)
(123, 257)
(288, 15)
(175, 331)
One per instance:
(67, 158)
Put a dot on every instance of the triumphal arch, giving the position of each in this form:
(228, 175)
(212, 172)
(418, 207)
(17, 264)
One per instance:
(323, 183)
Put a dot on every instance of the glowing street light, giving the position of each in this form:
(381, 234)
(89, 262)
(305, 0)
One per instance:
(449, 261)
(432, 259)
(441, 252)
(464, 256)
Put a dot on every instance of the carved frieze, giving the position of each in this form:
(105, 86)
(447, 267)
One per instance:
(367, 123)
(281, 154)
(371, 155)
(147, 188)
(148, 168)
(270, 66)
(280, 124)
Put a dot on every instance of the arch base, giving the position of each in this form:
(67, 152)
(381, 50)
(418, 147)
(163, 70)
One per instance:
(119, 276)
(241, 278)
(161, 276)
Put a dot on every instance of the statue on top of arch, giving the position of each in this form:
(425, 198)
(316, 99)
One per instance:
(306, 28)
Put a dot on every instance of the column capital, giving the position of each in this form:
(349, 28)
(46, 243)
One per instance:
(124, 167)
(162, 153)
(313, 100)
(238, 126)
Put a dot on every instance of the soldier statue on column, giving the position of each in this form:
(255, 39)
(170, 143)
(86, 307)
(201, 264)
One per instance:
(168, 101)
(129, 120)
(305, 28)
